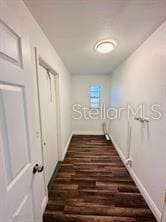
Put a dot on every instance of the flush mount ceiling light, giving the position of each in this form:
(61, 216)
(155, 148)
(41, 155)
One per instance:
(105, 46)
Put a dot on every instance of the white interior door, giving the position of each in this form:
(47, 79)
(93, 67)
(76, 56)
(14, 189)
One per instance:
(47, 96)
(18, 155)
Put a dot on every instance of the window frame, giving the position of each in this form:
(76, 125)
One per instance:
(90, 97)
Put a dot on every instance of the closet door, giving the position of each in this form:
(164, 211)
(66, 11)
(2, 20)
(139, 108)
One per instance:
(47, 97)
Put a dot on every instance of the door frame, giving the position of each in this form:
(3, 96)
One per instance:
(39, 61)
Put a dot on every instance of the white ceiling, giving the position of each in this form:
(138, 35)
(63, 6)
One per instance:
(74, 26)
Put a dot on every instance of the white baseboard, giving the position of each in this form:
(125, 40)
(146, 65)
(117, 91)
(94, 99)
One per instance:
(67, 146)
(44, 203)
(122, 156)
(81, 132)
(140, 186)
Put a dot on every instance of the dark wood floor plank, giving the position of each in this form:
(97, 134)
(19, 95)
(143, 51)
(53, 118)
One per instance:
(61, 217)
(93, 185)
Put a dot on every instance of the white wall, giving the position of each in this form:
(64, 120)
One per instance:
(80, 95)
(48, 53)
(142, 79)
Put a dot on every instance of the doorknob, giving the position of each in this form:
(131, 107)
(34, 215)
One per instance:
(37, 169)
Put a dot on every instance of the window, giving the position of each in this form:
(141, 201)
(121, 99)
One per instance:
(94, 96)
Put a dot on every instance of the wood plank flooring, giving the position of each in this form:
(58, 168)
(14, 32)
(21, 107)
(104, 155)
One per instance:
(93, 185)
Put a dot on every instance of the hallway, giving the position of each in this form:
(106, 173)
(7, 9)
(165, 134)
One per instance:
(74, 73)
(92, 185)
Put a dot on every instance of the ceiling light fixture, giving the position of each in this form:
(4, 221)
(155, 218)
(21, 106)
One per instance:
(105, 46)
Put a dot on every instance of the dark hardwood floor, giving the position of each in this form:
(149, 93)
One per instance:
(93, 185)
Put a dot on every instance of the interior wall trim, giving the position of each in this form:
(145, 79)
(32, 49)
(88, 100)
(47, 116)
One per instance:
(67, 146)
(44, 203)
(83, 132)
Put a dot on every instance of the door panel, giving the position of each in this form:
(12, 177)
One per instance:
(48, 120)
(12, 112)
(10, 45)
(17, 162)
(18, 153)
(25, 210)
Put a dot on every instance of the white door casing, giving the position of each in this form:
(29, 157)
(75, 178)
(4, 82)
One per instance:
(18, 154)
